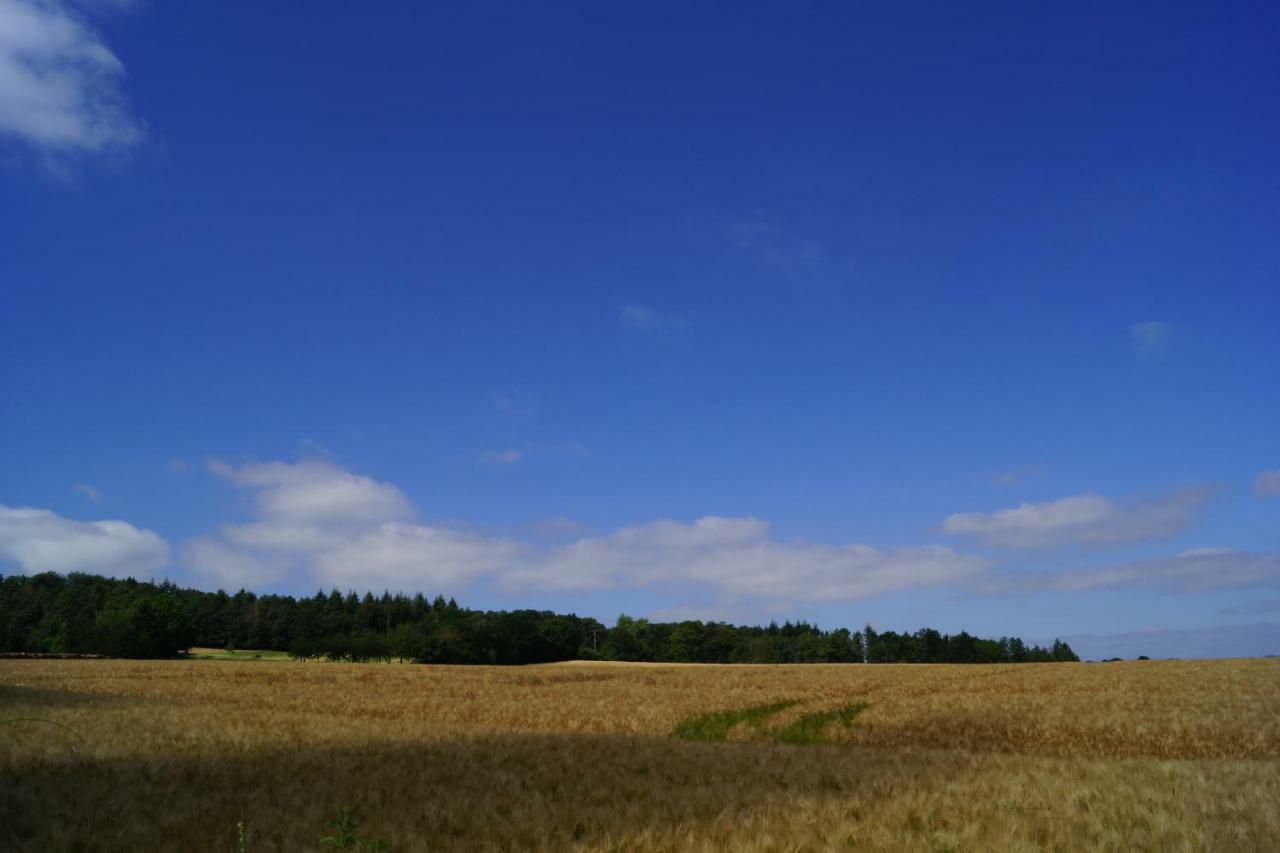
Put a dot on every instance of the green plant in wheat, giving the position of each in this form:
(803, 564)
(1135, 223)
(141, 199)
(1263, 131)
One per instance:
(716, 726)
(344, 836)
(811, 728)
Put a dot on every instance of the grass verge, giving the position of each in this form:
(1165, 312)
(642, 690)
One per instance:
(201, 653)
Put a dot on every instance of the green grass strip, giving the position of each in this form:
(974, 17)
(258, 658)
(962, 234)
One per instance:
(811, 728)
(716, 726)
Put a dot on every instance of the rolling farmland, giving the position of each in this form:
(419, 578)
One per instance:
(175, 754)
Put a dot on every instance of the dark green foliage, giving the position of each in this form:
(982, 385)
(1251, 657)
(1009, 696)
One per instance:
(302, 648)
(811, 728)
(928, 646)
(83, 613)
(88, 614)
(716, 726)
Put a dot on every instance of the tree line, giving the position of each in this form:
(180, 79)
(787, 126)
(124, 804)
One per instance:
(89, 614)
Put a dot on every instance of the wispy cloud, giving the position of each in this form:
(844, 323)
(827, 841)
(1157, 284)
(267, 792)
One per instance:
(1083, 520)
(713, 612)
(513, 455)
(642, 318)
(1193, 571)
(777, 248)
(1252, 608)
(510, 401)
(59, 82)
(1267, 483)
(570, 449)
(1150, 337)
(560, 526)
(87, 491)
(1018, 476)
(1216, 641)
(39, 540)
(311, 447)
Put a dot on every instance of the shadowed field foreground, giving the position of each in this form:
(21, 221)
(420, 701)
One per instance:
(170, 755)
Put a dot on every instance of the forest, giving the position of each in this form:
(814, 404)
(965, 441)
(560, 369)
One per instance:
(88, 614)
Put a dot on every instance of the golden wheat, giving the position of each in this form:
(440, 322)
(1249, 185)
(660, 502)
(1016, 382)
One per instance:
(170, 755)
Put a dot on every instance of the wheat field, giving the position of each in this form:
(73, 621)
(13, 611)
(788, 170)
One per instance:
(173, 755)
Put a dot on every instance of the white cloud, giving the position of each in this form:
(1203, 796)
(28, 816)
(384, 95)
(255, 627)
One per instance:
(316, 491)
(1082, 520)
(736, 558)
(414, 556)
(87, 491)
(503, 457)
(284, 537)
(59, 83)
(642, 318)
(331, 526)
(233, 566)
(1150, 337)
(319, 523)
(39, 540)
(1267, 483)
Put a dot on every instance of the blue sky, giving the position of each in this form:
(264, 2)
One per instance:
(916, 315)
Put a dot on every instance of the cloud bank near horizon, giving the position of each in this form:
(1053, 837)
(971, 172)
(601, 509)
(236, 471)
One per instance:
(38, 540)
(315, 523)
(1195, 570)
(318, 523)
